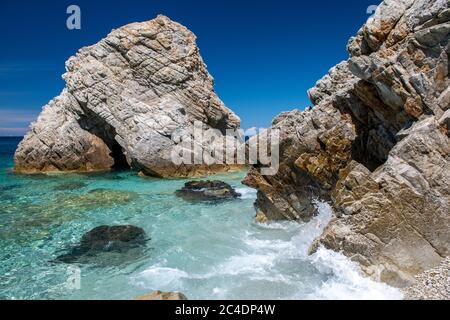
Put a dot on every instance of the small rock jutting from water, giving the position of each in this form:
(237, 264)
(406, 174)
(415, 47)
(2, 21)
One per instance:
(158, 295)
(115, 239)
(207, 191)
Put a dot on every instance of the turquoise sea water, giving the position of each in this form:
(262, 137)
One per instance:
(206, 251)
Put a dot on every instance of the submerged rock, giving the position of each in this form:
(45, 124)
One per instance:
(96, 198)
(128, 102)
(158, 295)
(116, 175)
(21, 218)
(207, 191)
(116, 239)
(376, 145)
(70, 186)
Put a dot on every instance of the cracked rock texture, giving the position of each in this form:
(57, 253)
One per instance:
(125, 99)
(376, 146)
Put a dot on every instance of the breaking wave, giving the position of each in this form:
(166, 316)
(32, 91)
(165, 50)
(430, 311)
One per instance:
(271, 261)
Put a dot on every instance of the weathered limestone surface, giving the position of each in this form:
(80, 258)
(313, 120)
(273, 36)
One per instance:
(376, 145)
(126, 97)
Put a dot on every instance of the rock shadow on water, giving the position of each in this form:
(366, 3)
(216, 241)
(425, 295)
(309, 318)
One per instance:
(207, 191)
(107, 246)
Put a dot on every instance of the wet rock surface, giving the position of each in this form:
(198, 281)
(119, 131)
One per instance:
(207, 191)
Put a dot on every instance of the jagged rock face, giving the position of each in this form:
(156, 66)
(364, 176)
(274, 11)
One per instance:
(125, 98)
(376, 145)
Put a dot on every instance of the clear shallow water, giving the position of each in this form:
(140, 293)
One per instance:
(205, 251)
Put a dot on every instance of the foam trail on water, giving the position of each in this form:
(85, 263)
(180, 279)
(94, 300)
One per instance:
(347, 281)
(161, 277)
(246, 193)
(270, 261)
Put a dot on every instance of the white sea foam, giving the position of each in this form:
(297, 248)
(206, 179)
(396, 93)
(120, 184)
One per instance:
(347, 281)
(253, 263)
(246, 193)
(161, 277)
(219, 293)
(274, 256)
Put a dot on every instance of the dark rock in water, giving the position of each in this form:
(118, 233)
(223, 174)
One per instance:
(113, 238)
(207, 191)
(70, 186)
(105, 239)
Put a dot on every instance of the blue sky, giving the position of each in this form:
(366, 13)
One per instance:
(264, 55)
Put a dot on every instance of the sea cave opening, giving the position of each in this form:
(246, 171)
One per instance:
(100, 128)
(120, 160)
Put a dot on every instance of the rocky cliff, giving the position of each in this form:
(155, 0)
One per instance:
(125, 99)
(376, 146)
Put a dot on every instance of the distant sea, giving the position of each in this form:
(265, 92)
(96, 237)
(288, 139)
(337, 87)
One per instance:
(206, 251)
